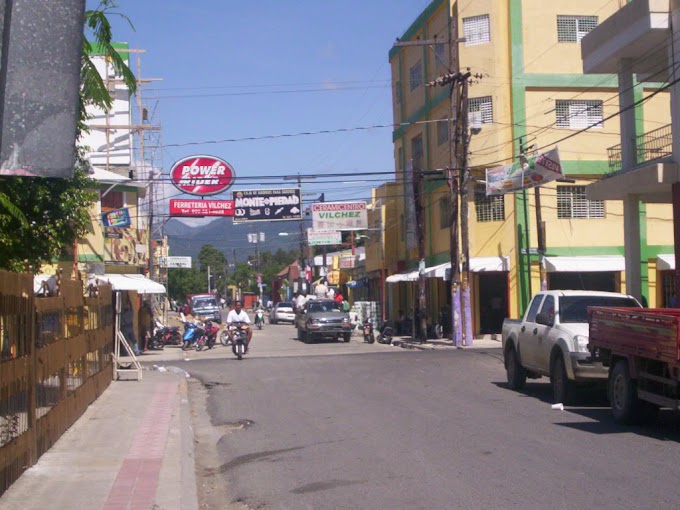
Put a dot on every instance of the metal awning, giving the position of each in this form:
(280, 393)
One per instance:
(402, 277)
(650, 182)
(136, 282)
(585, 264)
(477, 265)
(665, 262)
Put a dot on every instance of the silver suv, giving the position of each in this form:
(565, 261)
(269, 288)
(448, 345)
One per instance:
(322, 318)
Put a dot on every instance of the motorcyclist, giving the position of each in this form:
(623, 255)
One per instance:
(259, 308)
(239, 315)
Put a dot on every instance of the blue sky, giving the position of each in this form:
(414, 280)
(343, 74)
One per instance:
(223, 51)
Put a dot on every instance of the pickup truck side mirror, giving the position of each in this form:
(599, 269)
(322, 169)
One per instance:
(544, 319)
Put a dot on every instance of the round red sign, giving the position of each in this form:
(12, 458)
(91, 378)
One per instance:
(202, 175)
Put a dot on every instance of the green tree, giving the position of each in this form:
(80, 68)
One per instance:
(41, 218)
(211, 257)
(185, 281)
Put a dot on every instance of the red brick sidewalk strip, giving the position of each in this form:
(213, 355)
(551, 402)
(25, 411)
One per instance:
(135, 485)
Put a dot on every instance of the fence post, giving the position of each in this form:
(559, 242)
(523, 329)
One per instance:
(30, 318)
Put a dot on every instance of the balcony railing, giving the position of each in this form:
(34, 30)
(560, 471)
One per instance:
(649, 146)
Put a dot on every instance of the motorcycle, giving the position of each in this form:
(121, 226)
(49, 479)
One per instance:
(238, 338)
(192, 333)
(209, 336)
(259, 318)
(385, 334)
(369, 337)
(165, 335)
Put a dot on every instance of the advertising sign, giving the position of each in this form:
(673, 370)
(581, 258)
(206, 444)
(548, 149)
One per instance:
(122, 249)
(339, 216)
(202, 175)
(117, 218)
(323, 237)
(201, 207)
(536, 171)
(347, 262)
(267, 205)
(175, 262)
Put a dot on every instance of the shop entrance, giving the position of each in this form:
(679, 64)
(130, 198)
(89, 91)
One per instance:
(605, 281)
(493, 301)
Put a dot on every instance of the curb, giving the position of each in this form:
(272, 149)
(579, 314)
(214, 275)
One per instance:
(189, 492)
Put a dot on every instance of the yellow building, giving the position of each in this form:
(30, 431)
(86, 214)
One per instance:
(528, 92)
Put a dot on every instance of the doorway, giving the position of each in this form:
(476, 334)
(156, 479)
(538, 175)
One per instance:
(493, 301)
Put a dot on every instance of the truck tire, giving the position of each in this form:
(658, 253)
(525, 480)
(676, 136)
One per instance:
(348, 338)
(517, 375)
(627, 408)
(299, 335)
(564, 390)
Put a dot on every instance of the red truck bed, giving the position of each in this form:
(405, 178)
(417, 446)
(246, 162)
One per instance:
(651, 333)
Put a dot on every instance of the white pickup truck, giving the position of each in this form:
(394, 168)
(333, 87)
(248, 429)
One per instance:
(552, 340)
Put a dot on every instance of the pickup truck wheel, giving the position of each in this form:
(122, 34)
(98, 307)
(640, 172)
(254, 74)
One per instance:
(299, 335)
(517, 375)
(564, 390)
(627, 408)
(348, 337)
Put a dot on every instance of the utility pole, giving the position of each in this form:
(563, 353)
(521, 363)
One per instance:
(301, 264)
(324, 251)
(464, 174)
(208, 279)
(525, 200)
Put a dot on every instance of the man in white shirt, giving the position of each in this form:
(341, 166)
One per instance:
(301, 300)
(239, 315)
(321, 290)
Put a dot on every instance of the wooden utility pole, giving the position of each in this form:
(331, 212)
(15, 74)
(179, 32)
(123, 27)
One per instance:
(464, 174)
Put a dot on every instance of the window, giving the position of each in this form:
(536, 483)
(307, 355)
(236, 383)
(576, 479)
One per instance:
(417, 152)
(572, 203)
(574, 28)
(416, 75)
(533, 309)
(578, 114)
(444, 212)
(548, 308)
(442, 131)
(480, 110)
(440, 56)
(113, 200)
(477, 30)
(490, 208)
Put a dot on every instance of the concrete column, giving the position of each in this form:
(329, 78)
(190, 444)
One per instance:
(631, 237)
(675, 127)
(631, 204)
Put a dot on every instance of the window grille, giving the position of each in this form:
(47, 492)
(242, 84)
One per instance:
(578, 114)
(416, 75)
(572, 203)
(574, 28)
(442, 131)
(480, 110)
(440, 55)
(477, 30)
(490, 208)
(113, 200)
(444, 212)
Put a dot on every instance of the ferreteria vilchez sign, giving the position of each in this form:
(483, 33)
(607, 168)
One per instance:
(202, 175)
(339, 216)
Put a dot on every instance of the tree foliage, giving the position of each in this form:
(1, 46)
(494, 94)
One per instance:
(185, 281)
(41, 218)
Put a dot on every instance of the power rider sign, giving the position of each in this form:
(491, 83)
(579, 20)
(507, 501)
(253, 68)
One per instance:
(339, 216)
(202, 175)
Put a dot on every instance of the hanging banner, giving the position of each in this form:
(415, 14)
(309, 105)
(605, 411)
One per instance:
(339, 216)
(410, 208)
(267, 205)
(537, 171)
(175, 262)
(323, 237)
(117, 218)
(201, 208)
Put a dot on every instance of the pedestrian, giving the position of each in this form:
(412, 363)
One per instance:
(338, 298)
(321, 290)
(331, 293)
(127, 324)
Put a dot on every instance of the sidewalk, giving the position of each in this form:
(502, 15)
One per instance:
(488, 342)
(132, 449)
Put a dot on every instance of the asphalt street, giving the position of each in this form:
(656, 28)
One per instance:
(378, 427)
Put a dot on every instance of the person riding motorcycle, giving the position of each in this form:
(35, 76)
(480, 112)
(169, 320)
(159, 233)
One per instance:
(259, 313)
(239, 315)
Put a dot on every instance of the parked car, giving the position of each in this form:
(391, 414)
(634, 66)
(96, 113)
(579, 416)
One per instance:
(282, 312)
(206, 307)
(323, 318)
(552, 340)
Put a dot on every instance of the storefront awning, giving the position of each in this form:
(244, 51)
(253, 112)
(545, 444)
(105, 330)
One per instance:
(136, 282)
(477, 265)
(402, 277)
(585, 264)
(665, 262)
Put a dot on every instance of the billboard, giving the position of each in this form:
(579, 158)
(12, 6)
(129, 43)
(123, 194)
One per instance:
(267, 205)
(175, 262)
(126, 246)
(201, 208)
(339, 216)
(536, 171)
(116, 218)
(323, 237)
(202, 175)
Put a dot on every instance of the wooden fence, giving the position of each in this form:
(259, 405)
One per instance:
(55, 360)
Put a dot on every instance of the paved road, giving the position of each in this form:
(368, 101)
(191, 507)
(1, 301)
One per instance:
(383, 428)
